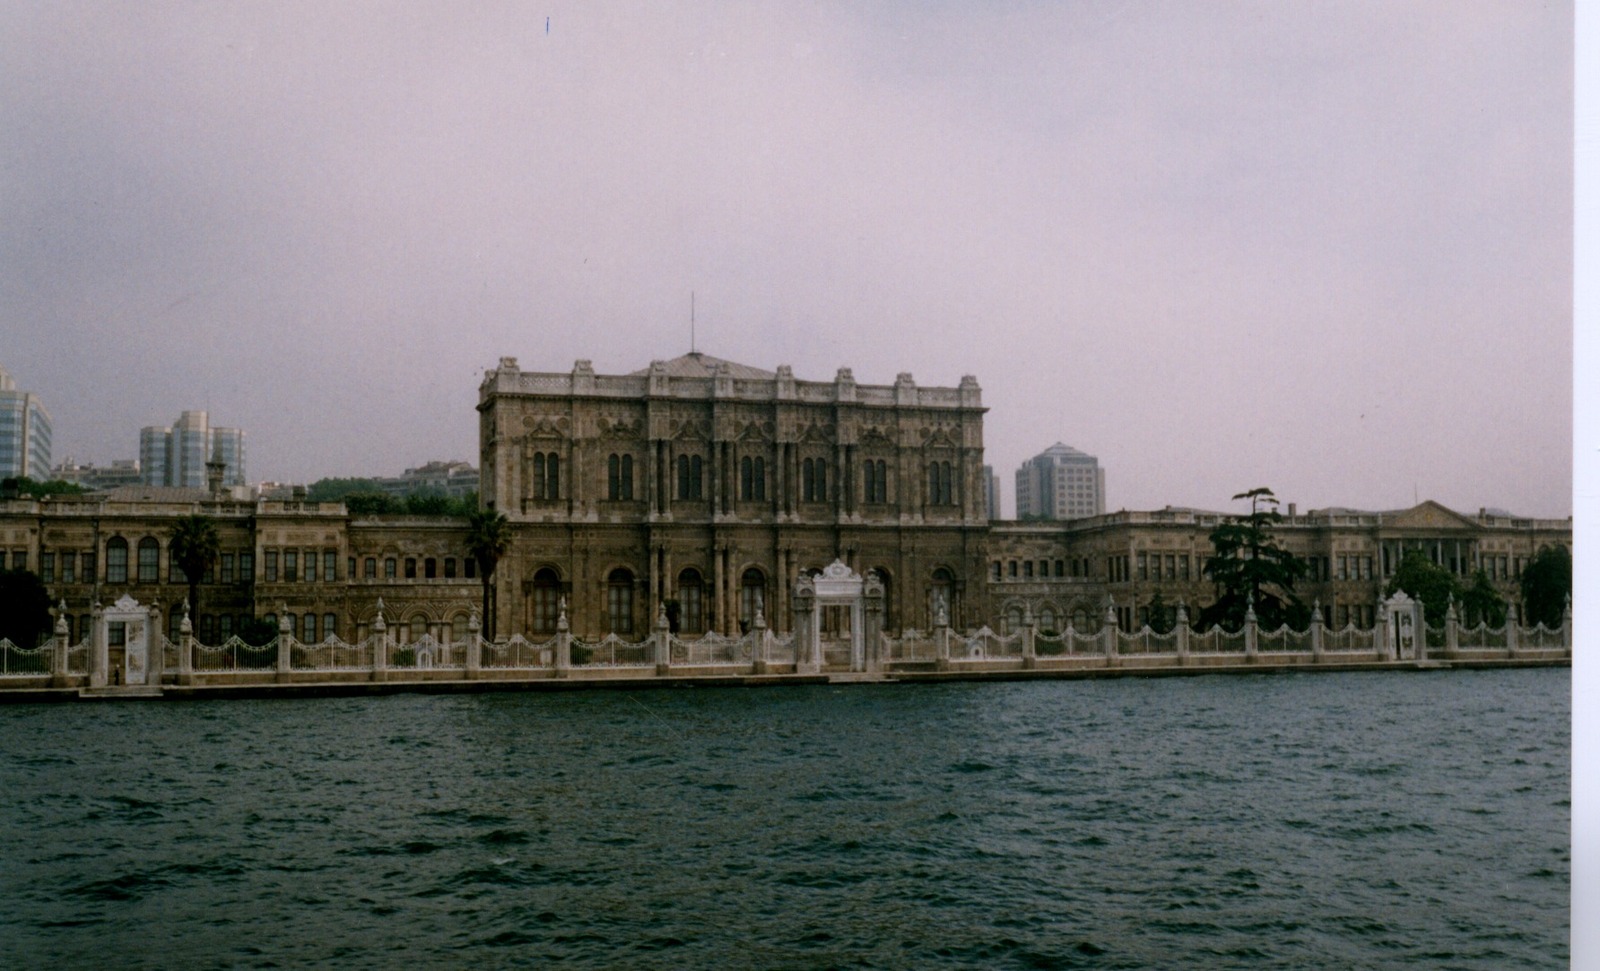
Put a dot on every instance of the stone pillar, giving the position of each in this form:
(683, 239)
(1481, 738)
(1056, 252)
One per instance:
(872, 626)
(380, 646)
(806, 660)
(1182, 630)
(99, 650)
(941, 636)
(474, 647)
(661, 637)
(563, 642)
(1316, 631)
(1513, 632)
(1108, 633)
(158, 646)
(1251, 632)
(285, 642)
(1452, 630)
(1381, 647)
(58, 655)
(1030, 653)
(185, 648)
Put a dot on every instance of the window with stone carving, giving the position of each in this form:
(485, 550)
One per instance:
(691, 470)
(619, 602)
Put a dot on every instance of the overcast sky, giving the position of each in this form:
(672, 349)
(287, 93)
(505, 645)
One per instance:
(1322, 247)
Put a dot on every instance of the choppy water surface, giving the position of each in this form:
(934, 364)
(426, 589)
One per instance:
(1309, 821)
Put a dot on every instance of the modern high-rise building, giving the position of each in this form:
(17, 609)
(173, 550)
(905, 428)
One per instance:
(177, 456)
(24, 432)
(991, 492)
(1061, 483)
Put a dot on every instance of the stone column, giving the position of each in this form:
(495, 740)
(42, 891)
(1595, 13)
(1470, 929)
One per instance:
(285, 642)
(1452, 630)
(158, 646)
(99, 650)
(563, 642)
(1316, 631)
(758, 644)
(1108, 633)
(805, 628)
(661, 637)
(872, 626)
(1030, 655)
(1251, 632)
(1513, 632)
(185, 648)
(1182, 630)
(58, 655)
(1380, 634)
(941, 636)
(474, 647)
(380, 646)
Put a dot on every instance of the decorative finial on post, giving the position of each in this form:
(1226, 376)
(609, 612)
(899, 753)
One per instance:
(61, 618)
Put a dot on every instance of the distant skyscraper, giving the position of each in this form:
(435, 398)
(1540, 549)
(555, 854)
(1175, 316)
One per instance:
(991, 492)
(177, 456)
(24, 432)
(1061, 483)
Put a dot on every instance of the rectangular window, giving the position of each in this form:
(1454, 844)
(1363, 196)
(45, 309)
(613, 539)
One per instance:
(369, 568)
(291, 566)
(430, 568)
(995, 571)
(89, 566)
(330, 562)
(271, 566)
(69, 567)
(225, 627)
(309, 628)
(47, 567)
(117, 634)
(247, 567)
(175, 572)
(1027, 569)
(330, 625)
(1011, 567)
(227, 567)
(411, 568)
(149, 561)
(311, 566)
(449, 568)
(1341, 568)
(472, 568)
(1061, 569)
(210, 574)
(388, 568)
(1143, 573)
(1183, 566)
(350, 568)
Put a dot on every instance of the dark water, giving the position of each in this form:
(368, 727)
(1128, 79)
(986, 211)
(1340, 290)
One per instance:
(1304, 821)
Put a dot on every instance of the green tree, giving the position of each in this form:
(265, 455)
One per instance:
(428, 504)
(23, 486)
(371, 504)
(24, 608)
(488, 539)
(1248, 567)
(194, 545)
(1163, 616)
(1426, 581)
(1481, 603)
(1547, 586)
(257, 632)
(333, 490)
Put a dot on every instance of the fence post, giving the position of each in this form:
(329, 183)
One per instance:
(662, 639)
(563, 642)
(1452, 629)
(157, 659)
(185, 648)
(58, 656)
(474, 646)
(1316, 631)
(758, 646)
(1380, 633)
(99, 650)
(1566, 625)
(285, 642)
(1182, 631)
(380, 646)
(1030, 649)
(1108, 633)
(807, 652)
(1513, 631)
(1251, 631)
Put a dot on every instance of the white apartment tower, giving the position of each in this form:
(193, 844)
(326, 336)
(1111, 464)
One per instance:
(24, 432)
(177, 456)
(1061, 483)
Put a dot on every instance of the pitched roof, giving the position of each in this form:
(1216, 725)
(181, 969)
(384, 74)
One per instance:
(697, 365)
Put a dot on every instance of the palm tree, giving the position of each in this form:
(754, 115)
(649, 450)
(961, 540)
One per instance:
(488, 539)
(194, 546)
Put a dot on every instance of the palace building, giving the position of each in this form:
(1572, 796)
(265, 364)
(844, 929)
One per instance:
(707, 489)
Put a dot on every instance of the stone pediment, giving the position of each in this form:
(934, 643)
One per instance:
(539, 426)
(686, 431)
(756, 432)
(875, 436)
(1428, 515)
(817, 435)
(620, 428)
(937, 438)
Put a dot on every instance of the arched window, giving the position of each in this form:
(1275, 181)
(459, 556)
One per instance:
(619, 602)
(149, 560)
(330, 625)
(691, 602)
(690, 471)
(308, 628)
(417, 629)
(875, 473)
(752, 596)
(546, 475)
(619, 477)
(941, 490)
(814, 480)
(546, 601)
(117, 560)
(1047, 620)
(753, 479)
(458, 628)
(1013, 619)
